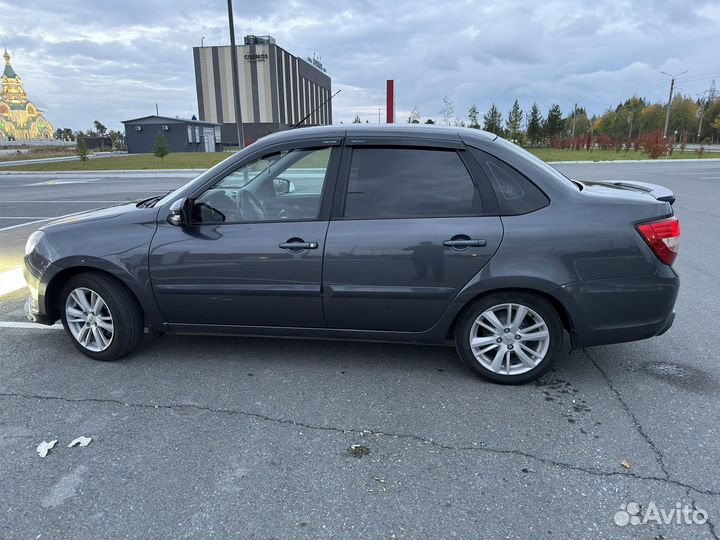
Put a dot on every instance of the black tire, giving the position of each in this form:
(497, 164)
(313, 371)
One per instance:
(539, 306)
(127, 317)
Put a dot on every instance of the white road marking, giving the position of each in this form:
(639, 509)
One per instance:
(11, 281)
(30, 325)
(710, 178)
(54, 202)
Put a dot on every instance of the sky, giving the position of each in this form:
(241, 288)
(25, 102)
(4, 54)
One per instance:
(110, 61)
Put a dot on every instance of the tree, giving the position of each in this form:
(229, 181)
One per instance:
(161, 146)
(58, 134)
(535, 126)
(448, 110)
(101, 130)
(473, 115)
(492, 120)
(357, 120)
(554, 123)
(683, 116)
(429, 121)
(118, 140)
(68, 134)
(513, 125)
(414, 117)
(81, 149)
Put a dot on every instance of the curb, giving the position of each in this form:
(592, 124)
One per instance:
(144, 172)
(681, 160)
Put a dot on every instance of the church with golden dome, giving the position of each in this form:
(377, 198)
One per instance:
(20, 119)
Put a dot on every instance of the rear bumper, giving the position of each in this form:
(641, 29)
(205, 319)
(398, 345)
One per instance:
(624, 309)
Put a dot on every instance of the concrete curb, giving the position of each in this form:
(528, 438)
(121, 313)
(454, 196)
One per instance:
(683, 160)
(111, 172)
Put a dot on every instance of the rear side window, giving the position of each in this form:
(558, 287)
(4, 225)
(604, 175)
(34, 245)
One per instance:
(515, 193)
(408, 182)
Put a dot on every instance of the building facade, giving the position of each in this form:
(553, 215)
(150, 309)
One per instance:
(20, 119)
(182, 135)
(277, 89)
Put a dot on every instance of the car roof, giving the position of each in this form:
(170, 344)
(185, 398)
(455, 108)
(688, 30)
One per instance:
(417, 131)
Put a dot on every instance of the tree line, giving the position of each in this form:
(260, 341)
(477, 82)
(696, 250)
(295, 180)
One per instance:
(624, 126)
(117, 138)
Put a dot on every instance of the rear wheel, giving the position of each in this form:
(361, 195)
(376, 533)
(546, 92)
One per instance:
(101, 317)
(509, 338)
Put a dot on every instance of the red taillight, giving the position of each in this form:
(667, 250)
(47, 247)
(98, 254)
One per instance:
(663, 237)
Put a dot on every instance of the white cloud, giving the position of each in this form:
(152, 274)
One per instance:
(83, 61)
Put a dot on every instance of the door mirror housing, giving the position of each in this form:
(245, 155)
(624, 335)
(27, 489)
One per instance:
(179, 215)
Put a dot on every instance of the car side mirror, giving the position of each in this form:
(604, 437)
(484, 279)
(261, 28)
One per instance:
(179, 216)
(281, 185)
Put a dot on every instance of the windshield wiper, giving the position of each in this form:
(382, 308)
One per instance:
(150, 201)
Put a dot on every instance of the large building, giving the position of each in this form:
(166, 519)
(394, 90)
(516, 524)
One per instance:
(20, 119)
(277, 89)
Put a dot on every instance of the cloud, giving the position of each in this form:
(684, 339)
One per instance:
(110, 61)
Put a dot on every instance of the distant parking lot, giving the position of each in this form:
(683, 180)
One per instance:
(215, 437)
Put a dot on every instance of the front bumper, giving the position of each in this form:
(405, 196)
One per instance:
(35, 305)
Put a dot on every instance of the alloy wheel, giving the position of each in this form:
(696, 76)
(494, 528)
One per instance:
(89, 319)
(509, 339)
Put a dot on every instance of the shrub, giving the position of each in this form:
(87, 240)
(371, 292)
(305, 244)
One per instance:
(654, 144)
(699, 151)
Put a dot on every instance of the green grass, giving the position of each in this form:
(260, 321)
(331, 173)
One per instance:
(204, 160)
(556, 154)
(174, 160)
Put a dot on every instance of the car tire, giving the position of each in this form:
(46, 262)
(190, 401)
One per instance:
(102, 318)
(498, 347)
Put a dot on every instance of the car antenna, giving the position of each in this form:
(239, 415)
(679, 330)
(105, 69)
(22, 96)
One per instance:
(315, 109)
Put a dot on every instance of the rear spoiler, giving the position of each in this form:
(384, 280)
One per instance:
(659, 192)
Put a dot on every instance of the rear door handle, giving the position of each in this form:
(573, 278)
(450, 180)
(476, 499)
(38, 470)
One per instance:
(297, 246)
(464, 243)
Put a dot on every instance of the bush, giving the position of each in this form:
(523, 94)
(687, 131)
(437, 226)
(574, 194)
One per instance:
(654, 144)
(699, 151)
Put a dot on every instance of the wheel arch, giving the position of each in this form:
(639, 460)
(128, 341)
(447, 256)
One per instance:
(554, 301)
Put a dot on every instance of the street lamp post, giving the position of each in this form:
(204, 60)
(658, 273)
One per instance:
(667, 111)
(236, 82)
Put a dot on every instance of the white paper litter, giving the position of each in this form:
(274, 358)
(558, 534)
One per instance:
(44, 447)
(80, 441)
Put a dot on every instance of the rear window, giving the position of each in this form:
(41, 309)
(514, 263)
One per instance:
(515, 193)
(408, 182)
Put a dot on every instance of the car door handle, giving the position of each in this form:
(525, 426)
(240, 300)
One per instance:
(464, 243)
(297, 246)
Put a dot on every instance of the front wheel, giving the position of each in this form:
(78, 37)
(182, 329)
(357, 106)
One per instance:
(102, 318)
(509, 338)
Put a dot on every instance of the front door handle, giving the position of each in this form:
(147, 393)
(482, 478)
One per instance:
(465, 243)
(297, 244)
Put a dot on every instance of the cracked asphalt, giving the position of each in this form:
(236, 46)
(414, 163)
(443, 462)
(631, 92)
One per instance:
(211, 437)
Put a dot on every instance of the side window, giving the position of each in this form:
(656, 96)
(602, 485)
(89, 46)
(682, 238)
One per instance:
(285, 185)
(515, 193)
(408, 182)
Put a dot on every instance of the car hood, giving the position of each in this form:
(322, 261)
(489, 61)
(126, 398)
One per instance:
(96, 215)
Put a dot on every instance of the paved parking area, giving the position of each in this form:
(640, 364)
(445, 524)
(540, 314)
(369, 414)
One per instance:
(218, 437)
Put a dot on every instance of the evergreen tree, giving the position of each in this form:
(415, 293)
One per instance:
(429, 121)
(81, 149)
(492, 120)
(535, 126)
(513, 125)
(554, 123)
(161, 148)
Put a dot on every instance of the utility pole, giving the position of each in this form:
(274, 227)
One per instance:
(574, 117)
(236, 82)
(630, 121)
(667, 111)
(703, 103)
(202, 41)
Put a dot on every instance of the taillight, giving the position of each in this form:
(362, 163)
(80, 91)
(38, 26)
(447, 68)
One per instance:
(663, 237)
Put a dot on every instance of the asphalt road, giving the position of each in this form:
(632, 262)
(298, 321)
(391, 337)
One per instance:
(203, 437)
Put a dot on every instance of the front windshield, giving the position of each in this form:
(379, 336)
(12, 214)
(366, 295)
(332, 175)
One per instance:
(199, 179)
